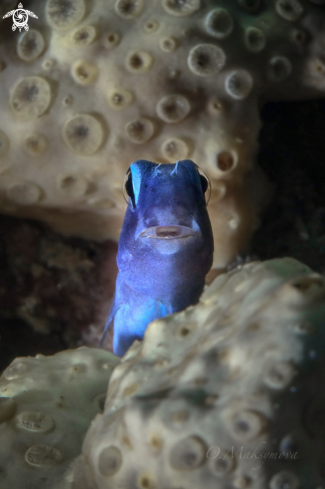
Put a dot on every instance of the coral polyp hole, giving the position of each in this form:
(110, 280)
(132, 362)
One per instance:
(67, 101)
(223, 464)
(239, 84)
(151, 26)
(320, 67)
(279, 68)
(146, 482)
(299, 37)
(84, 36)
(36, 144)
(278, 375)
(84, 72)
(110, 461)
(219, 23)
(30, 45)
(184, 331)
(225, 161)
(136, 62)
(48, 64)
(215, 106)
(254, 39)
(37, 421)
(73, 185)
(246, 425)
(129, 9)
(181, 7)
(64, 14)
(284, 479)
(290, 10)
(206, 59)
(120, 99)
(139, 130)
(83, 134)
(173, 108)
(111, 40)
(188, 453)
(174, 149)
(43, 456)
(168, 44)
(31, 97)
(139, 61)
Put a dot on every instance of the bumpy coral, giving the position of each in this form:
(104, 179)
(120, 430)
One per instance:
(228, 393)
(46, 407)
(90, 88)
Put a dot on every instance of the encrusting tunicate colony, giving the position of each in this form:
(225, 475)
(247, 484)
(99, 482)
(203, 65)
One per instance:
(226, 394)
(91, 87)
(46, 406)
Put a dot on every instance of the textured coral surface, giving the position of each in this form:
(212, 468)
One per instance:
(46, 406)
(83, 93)
(225, 394)
(228, 393)
(88, 89)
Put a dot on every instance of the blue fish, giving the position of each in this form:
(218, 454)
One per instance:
(165, 248)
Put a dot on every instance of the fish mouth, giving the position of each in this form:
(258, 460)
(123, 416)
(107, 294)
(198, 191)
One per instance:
(168, 232)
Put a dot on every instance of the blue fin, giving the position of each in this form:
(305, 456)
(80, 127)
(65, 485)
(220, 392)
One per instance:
(113, 310)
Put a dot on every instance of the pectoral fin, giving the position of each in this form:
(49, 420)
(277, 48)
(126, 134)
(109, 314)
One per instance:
(113, 310)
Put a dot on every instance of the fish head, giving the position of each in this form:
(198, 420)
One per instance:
(166, 207)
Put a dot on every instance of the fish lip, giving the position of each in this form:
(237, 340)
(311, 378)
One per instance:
(169, 232)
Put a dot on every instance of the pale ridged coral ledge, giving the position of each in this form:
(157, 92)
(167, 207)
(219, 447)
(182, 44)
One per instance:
(89, 89)
(228, 393)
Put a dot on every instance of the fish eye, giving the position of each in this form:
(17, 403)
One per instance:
(205, 185)
(128, 193)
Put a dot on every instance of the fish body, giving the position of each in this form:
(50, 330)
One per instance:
(165, 248)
